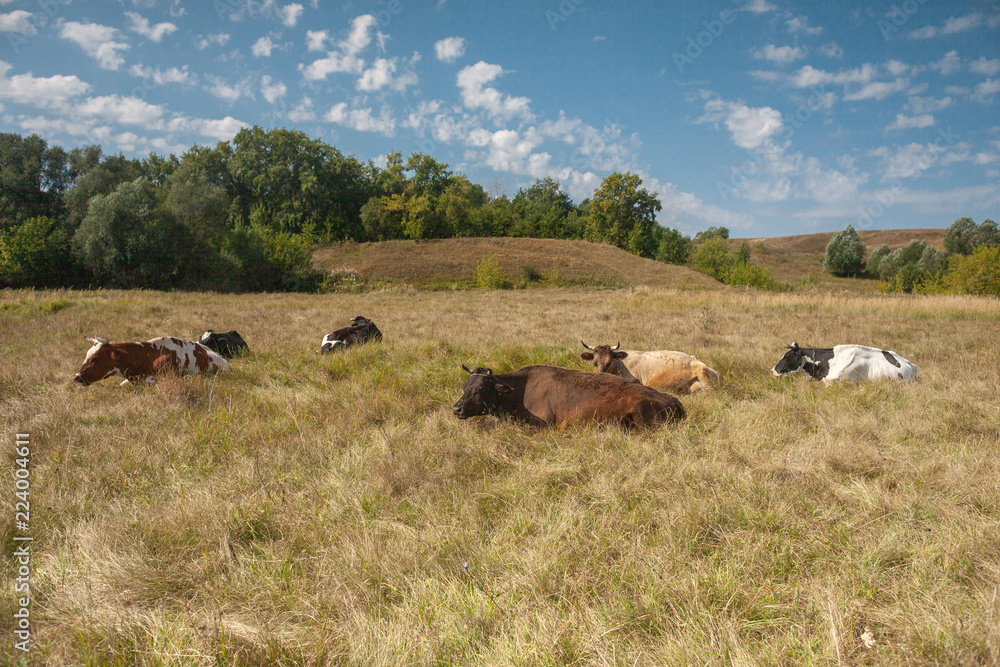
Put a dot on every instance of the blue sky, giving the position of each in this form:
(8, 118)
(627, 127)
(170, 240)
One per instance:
(767, 117)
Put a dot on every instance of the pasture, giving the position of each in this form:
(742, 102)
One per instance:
(330, 510)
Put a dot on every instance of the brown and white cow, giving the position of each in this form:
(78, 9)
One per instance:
(551, 396)
(141, 361)
(662, 369)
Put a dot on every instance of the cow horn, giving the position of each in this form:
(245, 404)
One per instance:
(793, 346)
(585, 345)
(617, 345)
(466, 369)
(95, 340)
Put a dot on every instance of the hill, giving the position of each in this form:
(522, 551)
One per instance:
(444, 263)
(799, 259)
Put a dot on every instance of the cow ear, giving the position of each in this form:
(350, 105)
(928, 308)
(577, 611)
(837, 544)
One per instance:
(619, 355)
(504, 388)
(587, 356)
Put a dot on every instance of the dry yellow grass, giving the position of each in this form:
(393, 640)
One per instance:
(310, 510)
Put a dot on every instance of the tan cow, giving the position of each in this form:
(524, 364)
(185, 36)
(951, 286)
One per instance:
(660, 369)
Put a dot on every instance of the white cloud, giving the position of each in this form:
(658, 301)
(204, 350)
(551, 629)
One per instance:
(985, 66)
(381, 75)
(798, 24)
(316, 39)
(218, 39)
(749, 127)
(360, 35)
(272, 92)
(361, 119)
(919, 105)
(472, 82)
(334, 62)
(125, 110)
(877, 90)
(951, 26)
(907, 161)
(949, 63)
(831, 50)
(780, 54)
(41, 92)
(222, 129)
(302, 112)
(449, 49)
(262, 47)
(759, 6)
(290, 14)
(18, 21)
(229, 92)
(909, 123)
(97, 41)
(985, 91)
(160, 77)
(140, 25)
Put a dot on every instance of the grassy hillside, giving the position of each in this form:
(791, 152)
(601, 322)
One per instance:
(448, 263)
(308, 510)
(799, 259)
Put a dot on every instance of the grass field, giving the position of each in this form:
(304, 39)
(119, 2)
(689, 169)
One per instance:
(308, 510)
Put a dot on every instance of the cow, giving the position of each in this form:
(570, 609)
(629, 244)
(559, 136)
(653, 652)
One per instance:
(141, 361)
(228, 345)
(661, 369)
(551, 396)
(361, 330)
(855, 363)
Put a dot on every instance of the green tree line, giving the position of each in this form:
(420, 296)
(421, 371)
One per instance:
(245, 215)
(969, 263)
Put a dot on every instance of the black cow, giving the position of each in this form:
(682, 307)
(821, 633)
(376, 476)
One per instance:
(551, 396)
(228, 345)
(361, 330)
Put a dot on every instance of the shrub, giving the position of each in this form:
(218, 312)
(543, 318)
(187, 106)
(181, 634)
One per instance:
(958, 238)
(845, 254)
(978, 273)
(713, 257)
(674, 247)
(258, 259)
(872, 266)
(489, 274)
(36, 254)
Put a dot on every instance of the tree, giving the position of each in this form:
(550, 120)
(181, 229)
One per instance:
(958, 238)
(674, 247)
(712, 233)
(978, 273)
(541, 211)
(845, 254)
(876, 258)
(624, 215)
(986, 234)
(125, 241)
(714, 258)
(32, 179)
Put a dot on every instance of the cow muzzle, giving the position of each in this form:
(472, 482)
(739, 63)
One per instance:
(79, 379)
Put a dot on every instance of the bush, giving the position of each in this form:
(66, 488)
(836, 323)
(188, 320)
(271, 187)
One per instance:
(714, 258)
(978, 273)
(845, 254)
(258, 259)
(36, 254)
(489, 274)
(872, 266)
(674, 247)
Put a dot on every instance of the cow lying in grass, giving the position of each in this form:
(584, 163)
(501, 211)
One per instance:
(551, 396)
(662, 369)
(228, 345)
(361, 330)
(141, 361)
(855, 363)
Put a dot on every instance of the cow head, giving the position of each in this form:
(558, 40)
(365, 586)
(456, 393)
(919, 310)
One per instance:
(102, 361)
(603, 356)
(791, 362)
(482, 394)
(228, 344)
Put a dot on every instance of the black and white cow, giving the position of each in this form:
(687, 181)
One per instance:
(855, 363)
(361, 330)
(228, 345)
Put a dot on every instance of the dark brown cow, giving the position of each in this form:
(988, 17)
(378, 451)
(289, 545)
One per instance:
(141, 361)
(551, 396)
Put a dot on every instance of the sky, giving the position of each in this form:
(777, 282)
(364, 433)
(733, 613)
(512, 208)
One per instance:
(767, 117)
